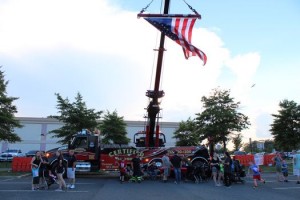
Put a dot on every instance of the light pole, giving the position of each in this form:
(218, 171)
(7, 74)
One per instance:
(250, 144)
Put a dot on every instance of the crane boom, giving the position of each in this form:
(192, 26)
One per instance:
(153, 107)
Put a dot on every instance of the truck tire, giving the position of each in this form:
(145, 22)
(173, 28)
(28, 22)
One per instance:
(203, 164)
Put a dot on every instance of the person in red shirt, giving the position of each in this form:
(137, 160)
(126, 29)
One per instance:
(122, 168)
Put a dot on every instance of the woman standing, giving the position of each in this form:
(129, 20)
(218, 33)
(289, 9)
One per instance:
(60, 171)
(35, 165)
(215, 168)
(278, 165)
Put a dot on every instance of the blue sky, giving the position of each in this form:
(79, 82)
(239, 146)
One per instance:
(100, 49)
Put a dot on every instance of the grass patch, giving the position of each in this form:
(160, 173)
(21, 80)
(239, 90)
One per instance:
(5, 164)
(5, 170)
(10, 173)
(273, 168)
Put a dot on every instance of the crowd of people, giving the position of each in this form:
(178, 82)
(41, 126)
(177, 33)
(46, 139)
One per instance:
(223, 171)
(281, 166)
(44, 175)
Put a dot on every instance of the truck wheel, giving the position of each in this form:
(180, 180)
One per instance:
(205, 170)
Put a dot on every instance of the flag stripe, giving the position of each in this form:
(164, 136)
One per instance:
(179, 29)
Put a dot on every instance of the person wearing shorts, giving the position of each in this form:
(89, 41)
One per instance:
(285, 170)
(296, 165)
(71, 169)
(215, 168)
(255, 174)
(35, 165)
(278, 166)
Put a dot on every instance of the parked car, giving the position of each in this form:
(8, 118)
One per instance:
(9, 154)
(237, 153)
(31, 153)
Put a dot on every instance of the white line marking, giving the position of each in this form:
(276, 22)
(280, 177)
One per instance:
(7, 179)
(286, 188)
(30, 183)
(73, 191)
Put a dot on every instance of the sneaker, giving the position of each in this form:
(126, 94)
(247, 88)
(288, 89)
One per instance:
(286, 181)
(68, 185)
(254, 187)
(264, 182)
(298, 182)
(73, 186)
(175, 182)
(58, 190)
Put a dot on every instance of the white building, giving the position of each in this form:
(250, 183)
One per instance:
(260, 145)
(35, 133)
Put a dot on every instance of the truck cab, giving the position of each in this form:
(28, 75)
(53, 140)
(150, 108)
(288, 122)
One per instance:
(87, 152)
(140, 139)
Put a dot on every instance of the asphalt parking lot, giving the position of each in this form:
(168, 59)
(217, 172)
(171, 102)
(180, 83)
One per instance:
(90, 187)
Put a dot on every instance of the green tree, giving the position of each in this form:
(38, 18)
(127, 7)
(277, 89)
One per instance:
(186, 134)
(75, 116)
(251, 148)
(237, 141)
(269, 146)
(113, 129)
(220, 118)
(8, 122)
(286, 126)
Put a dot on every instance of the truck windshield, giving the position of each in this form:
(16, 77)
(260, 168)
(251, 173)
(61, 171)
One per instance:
(80, 142)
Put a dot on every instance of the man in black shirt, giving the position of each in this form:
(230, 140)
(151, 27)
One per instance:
(136, 166)
(71, 169)
(176, 162)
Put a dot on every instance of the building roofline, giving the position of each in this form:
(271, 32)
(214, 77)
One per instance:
(41, 120)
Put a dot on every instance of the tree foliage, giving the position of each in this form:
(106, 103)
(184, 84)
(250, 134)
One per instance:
(186, 134)
(286, 126)
(8, 122)
(251, 147)
(237, 141)
(220, 118)
(113, 129)
(75, 116)
(268, 147)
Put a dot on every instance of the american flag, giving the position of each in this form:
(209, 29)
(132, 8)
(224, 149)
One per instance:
(179, 29)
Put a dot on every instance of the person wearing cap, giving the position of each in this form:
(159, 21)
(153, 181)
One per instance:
(296, 164)
(176, 162)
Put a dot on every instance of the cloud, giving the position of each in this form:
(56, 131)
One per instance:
(106, 54)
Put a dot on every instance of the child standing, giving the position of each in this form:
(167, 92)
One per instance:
(256, 174)
(285, 171)
(122, 168)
